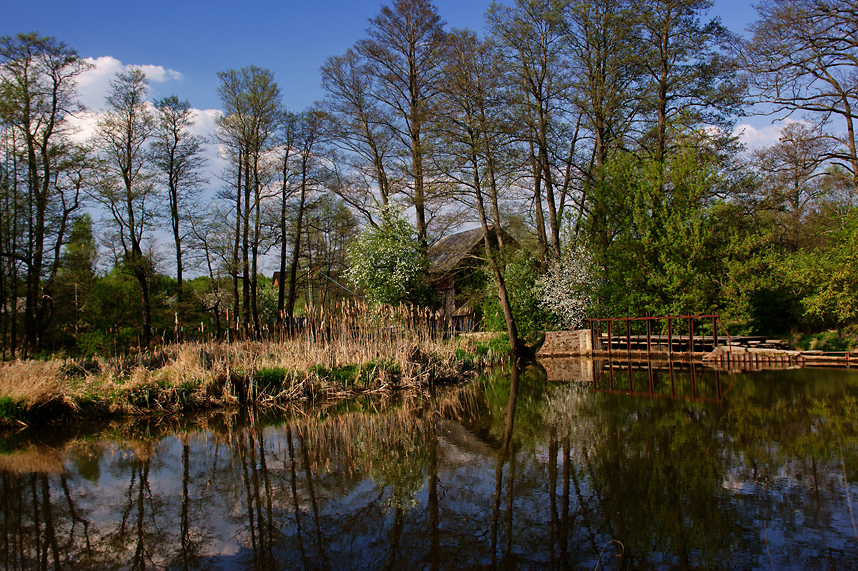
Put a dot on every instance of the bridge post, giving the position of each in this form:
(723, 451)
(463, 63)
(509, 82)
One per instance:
(629, 337)
(669, 337)
(691, 336)
(714, 332)
(648, 335)
(610, 342)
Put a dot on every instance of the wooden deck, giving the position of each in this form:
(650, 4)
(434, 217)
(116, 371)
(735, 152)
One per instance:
(677, 343)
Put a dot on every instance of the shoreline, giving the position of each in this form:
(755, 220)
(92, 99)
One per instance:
(201, 376)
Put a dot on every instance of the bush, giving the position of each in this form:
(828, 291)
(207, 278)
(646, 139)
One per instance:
(271, 377)
(566, 290)
(523, 297)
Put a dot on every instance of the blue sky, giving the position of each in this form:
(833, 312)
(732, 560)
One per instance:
(181, 45)
(187, 43)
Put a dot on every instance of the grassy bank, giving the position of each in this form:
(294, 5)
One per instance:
(326, 363)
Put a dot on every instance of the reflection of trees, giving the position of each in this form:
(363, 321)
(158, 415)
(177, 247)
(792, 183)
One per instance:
(141, 530)
(509, 471)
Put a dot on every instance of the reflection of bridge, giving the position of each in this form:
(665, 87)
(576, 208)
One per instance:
(655, 378)
(660, 379)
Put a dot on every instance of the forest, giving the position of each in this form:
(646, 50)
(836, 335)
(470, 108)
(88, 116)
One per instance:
(598, 135)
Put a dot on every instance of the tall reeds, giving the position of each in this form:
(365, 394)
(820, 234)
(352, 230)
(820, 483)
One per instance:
(351, 348)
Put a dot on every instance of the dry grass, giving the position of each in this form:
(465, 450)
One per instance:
(353, 350)
(38, 459)
(31, 382)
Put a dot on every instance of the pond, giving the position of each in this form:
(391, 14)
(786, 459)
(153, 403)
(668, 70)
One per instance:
(641, 468)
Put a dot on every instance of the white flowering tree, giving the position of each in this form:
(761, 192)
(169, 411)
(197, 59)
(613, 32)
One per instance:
(386, 261)
(566, 289)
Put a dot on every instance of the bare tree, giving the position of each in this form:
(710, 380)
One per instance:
(127, 184)
(403, 51)
(795, 177)
(476, 142)
(252, 110)
(357, 124)
(178, 157)
(307, 139)
(690, 75)
(802, 58)
(531, 33)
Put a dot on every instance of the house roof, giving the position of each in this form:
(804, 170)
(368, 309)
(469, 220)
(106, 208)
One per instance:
(450, 250)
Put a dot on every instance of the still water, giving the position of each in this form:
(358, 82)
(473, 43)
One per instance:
(634, 469)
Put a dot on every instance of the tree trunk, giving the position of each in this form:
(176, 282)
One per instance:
(296, 248)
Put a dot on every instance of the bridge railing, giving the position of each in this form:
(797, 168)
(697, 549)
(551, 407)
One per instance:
(657, 334)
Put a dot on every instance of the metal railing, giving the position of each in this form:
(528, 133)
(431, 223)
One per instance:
(689, 339)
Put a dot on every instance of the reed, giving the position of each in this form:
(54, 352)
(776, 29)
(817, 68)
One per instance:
(341, 352)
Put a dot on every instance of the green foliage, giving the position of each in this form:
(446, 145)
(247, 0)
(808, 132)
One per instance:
(499, 345)
(655, 226)
(11, 409)
(352, 376)
(272, 377)
(832, 340)
(523, 293)
(386, 261)
(829, 276)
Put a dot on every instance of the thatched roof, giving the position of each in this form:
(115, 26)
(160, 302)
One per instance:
(449, 251)
(447, 254)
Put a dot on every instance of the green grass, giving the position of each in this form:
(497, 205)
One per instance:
(356, 376)
(825, 341)
(272, 378)
(348, 375)
(12, 409)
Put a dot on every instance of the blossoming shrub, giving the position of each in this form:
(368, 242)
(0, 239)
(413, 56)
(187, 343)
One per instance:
(386, 261)
(566, 289)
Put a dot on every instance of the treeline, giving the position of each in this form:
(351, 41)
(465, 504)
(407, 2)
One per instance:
(597, 134)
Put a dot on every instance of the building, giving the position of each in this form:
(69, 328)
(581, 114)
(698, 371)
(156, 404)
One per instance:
(455, 264)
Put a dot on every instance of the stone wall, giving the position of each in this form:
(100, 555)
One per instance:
(577, 369)
(566, 343)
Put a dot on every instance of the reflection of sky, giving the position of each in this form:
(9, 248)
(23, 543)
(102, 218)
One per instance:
(792, 508)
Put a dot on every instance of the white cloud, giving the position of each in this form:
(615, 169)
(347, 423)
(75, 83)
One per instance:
(756, 137)
(205, 121)
(157, 73)
(84, 125)
(94, 84)
(204, 125)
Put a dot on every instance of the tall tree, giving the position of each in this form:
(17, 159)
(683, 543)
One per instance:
(308, 135)
(795, 180)
(404, 52)
(178, 157)
(604, 43)
(358, 125)
(252, 110)
(127, 187)
(691, 78)
(37, 94)
(289, 127)
(532, 34)
(803, 58)
(476, 141)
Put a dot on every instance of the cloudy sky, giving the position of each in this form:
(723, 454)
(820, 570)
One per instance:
(181, 45)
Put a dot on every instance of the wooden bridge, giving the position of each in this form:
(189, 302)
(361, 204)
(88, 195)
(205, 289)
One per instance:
(695, 337)
(678, 334)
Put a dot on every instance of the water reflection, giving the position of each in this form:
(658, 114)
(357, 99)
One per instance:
(508, 472)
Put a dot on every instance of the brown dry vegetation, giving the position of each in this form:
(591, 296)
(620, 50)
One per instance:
(358, 350)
